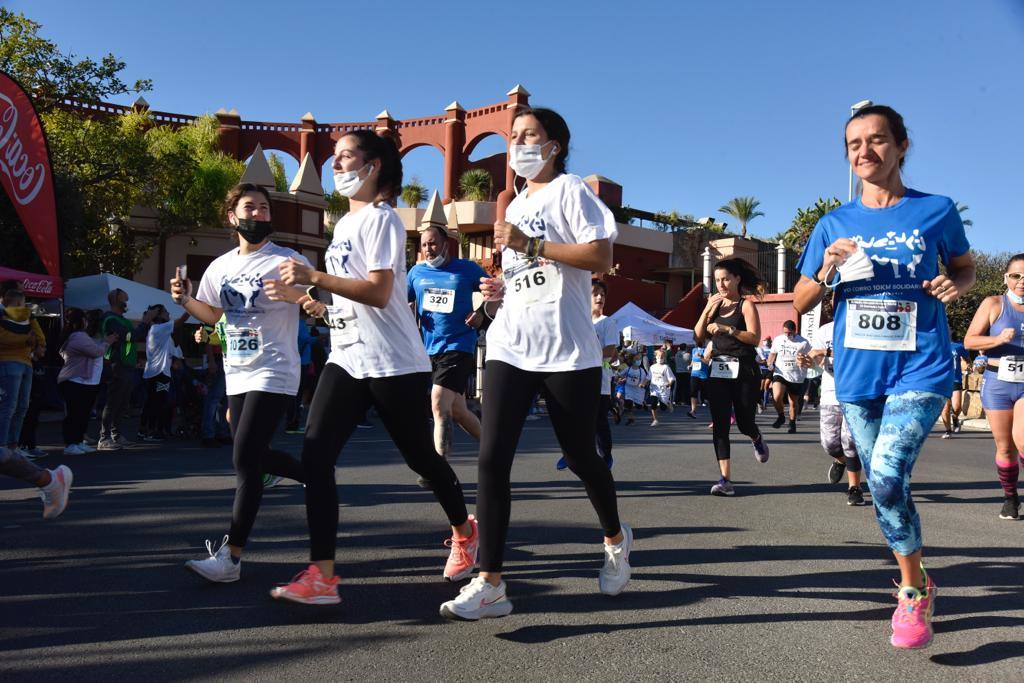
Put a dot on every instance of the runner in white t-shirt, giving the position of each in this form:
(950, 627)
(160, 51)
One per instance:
(377, 358)
(788, 361)
(835, 433)
(555, 233)
(662, 383)
(607, 331)
(261, 363)
(161, 338)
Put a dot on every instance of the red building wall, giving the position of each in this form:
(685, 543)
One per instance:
(649, 296)
(638, 263)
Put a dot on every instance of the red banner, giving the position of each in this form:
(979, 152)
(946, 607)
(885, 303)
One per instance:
(25, 171)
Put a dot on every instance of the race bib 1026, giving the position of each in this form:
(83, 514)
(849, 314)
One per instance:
(244, 345)
(881, 325)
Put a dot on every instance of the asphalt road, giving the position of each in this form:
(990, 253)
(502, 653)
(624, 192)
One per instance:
(784, 581)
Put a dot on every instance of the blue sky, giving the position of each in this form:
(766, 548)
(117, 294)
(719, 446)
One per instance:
(686, 104)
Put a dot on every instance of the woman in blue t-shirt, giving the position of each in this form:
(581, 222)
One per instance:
(892, 347)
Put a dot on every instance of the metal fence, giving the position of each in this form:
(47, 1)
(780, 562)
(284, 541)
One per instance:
(768, 266)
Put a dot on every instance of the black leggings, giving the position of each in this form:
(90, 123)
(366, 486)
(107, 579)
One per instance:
(339, 404)
(604, 430)
(254, 419)
(572, 399)
(728, 396)
(78, 402)
(156, 412)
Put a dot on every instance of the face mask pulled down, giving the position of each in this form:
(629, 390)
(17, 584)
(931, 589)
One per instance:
(254, 231)
(857, 267)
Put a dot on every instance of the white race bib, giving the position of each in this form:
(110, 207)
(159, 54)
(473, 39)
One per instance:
(244, 345)
(343, 324)
(725, 367)
(1011, 369)
(537, 284)
(881, 325)
(695, 366)
(438, 300)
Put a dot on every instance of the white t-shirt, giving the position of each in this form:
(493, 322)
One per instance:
(607, 335)
(159, 350)
(384, 342)
(262, 347)
(785, 350)
(635, 377)
(822, 339)
(661, 375)
(544, 322)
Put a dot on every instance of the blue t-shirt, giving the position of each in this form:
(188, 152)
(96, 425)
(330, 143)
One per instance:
(905, 243)
(444, 331)
(305, 344)
(699, 368)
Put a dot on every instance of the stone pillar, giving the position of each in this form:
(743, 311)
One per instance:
(518, 98)
(781, 268)
(706, 255)
(229, 131)
(454, 143)
(387, 127)
(307, 140)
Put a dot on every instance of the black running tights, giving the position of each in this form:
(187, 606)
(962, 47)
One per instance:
(254, 419)
(572, 399)
(728, 396)
(340, 402)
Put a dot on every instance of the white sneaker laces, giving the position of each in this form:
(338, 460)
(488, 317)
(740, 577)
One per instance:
(209, 546)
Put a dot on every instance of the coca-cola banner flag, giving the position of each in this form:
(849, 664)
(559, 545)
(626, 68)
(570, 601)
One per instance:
(25, 171)
(34, 285)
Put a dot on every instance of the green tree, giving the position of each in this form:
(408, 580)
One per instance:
(795, 237)
(277, 169)
(962, 209)
(475, 185)
(50, 74)
(743, 209)
(414, 193)
(990, 269)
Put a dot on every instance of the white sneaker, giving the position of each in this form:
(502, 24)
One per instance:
(616, 572)
(654, 423)
(74, 449)
(55, 494)
(108, 445)
(218, 567)
(86, 448)
(478, 600)
(23, 453)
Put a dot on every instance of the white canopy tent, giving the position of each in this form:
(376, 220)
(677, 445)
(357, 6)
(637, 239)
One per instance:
(91, 292)
(637, 325)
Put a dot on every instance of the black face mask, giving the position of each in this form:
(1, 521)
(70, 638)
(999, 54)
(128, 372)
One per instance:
(254, 231)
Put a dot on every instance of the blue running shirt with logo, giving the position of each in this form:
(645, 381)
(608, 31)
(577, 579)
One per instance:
(443, 319)
(905, 243)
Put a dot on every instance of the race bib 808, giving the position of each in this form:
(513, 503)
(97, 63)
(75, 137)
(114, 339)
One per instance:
(881, 325)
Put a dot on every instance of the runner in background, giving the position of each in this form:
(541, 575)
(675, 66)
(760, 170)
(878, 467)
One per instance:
(683, 360)
(763, 352)
(881, 252)
(787, 363)
(441, 288)
(635, 388)
(698, 375)
(951, 411)
(662, 383)
(997, 330)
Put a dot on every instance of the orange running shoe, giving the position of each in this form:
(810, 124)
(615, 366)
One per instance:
(309, 587)
(462, 559)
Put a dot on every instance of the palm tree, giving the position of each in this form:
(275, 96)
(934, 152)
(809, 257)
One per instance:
(475, 185)
(414, 193)
(743, 209)
(962, 209)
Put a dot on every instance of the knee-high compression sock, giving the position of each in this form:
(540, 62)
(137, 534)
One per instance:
(1008, 478)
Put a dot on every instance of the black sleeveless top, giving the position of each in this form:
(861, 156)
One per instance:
(728, 345)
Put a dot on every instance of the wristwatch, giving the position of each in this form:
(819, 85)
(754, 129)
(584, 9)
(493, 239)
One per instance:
(820, 283)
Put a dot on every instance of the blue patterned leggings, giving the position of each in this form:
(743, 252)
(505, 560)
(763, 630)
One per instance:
(889, 432)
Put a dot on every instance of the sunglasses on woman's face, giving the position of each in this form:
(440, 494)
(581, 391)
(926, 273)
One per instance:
(1014, 277)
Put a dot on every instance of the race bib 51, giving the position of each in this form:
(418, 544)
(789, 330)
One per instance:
(1011, 369)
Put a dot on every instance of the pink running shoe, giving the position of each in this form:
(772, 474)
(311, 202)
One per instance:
(912, 620)
(309, 587)
(462, 559)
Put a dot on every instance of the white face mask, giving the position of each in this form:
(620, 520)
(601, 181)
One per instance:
(438, 260)
(857, 267)
(348, 183)
(527, 161)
